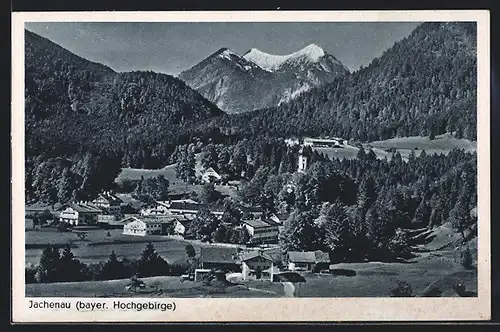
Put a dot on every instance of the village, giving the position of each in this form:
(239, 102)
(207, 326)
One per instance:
(240, 244)
(256, 256)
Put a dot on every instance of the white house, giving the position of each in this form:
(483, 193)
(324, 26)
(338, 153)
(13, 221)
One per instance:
(210, 175)
(76, 214)
(262, 231)
(323, 142)
(292, 141)
(307, 260)
(140, 227)
(251, 261)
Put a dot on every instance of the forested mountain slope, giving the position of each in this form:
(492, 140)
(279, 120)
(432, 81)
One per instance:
(76, 108)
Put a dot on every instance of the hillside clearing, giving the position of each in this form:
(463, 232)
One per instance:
(442, 144)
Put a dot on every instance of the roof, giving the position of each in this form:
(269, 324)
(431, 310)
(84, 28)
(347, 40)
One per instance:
(211, 170)
(196, 207)
(246, 256)
(323, 140)
(112, 199)
(282, 216)
(252, 209)
(157, 219)
(219, 255)
(308, 257)
(271, 222)
(257, 223)
(84, 208)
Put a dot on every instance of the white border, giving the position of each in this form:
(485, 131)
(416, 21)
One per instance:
(290, 309)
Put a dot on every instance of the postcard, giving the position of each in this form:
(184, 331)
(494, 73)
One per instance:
(250, 166)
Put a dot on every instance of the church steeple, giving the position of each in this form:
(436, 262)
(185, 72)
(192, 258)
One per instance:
(302, 162)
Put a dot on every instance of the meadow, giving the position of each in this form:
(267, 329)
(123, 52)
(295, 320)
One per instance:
(442, 144)
(98, 245)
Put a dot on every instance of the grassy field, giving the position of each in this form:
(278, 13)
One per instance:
(97, 246)
(373, 279)
(442, 144)
(177, 186)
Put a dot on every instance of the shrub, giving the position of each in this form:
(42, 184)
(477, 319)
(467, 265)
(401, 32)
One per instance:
(466, 258)
(403, 289)
(29, 274)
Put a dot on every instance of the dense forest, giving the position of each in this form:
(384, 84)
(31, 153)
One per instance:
(78, 112)
(424, 85)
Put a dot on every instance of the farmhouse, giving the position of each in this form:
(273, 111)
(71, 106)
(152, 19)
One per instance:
(307, 260)
(163, 207)
(254, 261)
(114, 221)
(210, 175)
(223, 258)
(79, 213)
(324, 142)
(252, 212)
(108, 202)
(262, 231)
(156, 208)
(181, 225)
(144, 226)
(190, 209)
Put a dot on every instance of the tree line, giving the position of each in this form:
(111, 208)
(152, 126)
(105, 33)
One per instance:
(57, 266)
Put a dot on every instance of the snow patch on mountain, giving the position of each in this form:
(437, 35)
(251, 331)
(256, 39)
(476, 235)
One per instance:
(228, 54)
(311, 53)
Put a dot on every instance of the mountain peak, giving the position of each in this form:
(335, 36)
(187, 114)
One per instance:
(272, 62)
(225, 52)
(313, 51)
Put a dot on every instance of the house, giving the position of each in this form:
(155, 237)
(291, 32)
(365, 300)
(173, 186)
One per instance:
(143, 226)
(108, 202)
(262, 230)
(252, 212)
(156, 208)
(307, 260)
(324, 142)
(256, 260)
(79, 213)
(107, 221)
(223, 258)
(181, 225)
(279, 218)
(190, 209)
(210, 175)
(163, 207)
(292, 141)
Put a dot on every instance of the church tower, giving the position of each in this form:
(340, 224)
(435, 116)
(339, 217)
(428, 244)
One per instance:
(302, 164)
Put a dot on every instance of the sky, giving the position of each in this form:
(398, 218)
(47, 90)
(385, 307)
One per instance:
(173, 47)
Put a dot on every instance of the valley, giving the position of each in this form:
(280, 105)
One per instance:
(143, 173)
